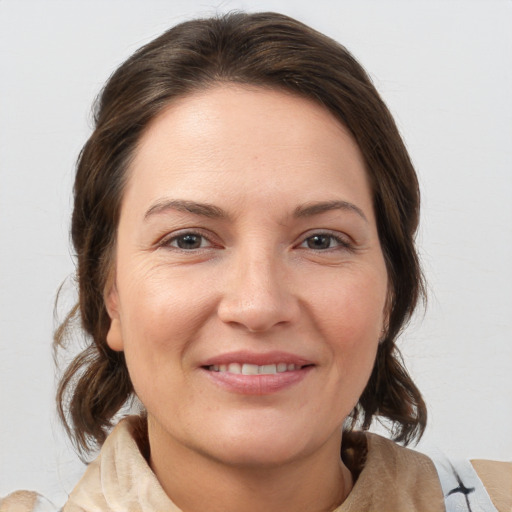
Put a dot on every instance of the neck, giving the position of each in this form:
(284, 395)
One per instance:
(195, 481)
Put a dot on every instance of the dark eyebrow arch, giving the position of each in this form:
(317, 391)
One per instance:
(181, 205)
(311, 209)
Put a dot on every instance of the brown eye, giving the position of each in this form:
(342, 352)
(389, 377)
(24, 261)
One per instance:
(325, 241)
(319, 242)
(188, 241)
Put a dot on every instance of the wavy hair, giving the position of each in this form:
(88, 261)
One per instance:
(260, 49)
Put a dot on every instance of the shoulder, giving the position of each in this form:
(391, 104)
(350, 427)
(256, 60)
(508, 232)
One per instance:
(480, 485)
(391, 477)
(408, 463)
(25, 501)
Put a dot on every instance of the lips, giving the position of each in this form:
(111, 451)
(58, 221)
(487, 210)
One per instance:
(257, 374)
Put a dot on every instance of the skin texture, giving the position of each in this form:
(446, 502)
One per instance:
(254, 280)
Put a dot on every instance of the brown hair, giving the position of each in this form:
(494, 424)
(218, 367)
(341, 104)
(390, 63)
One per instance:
(269, 50)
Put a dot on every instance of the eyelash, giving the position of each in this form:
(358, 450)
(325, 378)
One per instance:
(340, 242)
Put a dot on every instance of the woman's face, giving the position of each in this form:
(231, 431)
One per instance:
(250, 286)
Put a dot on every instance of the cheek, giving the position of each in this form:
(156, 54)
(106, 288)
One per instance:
(352, 305)
(160, 317)
(351, 317)
(164, 303)
(158, 327)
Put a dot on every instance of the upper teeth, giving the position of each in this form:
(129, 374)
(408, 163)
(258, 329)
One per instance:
(254, 369)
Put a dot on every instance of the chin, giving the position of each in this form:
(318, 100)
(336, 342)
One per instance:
(260, 453)
(262, 444)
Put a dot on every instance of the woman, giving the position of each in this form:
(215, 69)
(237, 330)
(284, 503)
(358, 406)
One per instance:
(244, 223)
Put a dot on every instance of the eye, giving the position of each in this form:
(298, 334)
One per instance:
(188, 241)
(324, 241)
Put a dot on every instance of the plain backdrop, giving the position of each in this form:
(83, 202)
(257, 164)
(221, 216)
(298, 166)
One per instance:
(443, 67)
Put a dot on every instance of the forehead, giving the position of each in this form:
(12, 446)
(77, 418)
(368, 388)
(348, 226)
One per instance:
(224, 109)
(233, 140)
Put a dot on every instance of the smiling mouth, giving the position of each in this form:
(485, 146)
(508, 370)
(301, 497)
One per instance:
(257, 374)
(254, 369)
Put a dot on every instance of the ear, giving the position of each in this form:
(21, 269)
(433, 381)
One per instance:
(114, 334)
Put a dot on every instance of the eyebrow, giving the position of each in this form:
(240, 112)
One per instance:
(214, 212)
(310, 209)
(203, 209)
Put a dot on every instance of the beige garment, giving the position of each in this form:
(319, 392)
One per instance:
(497, 479)
(19, 501)
(393, 479)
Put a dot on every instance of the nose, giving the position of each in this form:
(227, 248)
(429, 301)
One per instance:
(258, 294)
